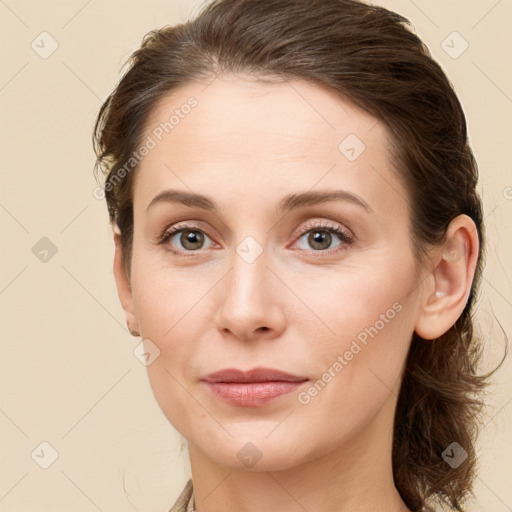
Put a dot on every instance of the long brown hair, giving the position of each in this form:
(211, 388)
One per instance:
(370, 56)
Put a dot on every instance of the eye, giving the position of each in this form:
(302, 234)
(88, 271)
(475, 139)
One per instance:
(185, 238)
(320, 238)
(189, 238)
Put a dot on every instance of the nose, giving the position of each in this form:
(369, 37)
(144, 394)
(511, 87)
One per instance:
(252, 301)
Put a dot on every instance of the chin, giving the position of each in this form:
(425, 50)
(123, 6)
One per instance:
(257, 454)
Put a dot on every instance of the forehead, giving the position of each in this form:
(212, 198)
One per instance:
(276, 115)
(251, 134)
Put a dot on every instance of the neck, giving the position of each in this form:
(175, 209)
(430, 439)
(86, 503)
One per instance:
(353, 477)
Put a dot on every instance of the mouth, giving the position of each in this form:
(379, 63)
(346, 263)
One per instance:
(252, 388)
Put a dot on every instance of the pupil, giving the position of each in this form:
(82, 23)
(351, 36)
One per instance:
(317, 237)
(191, 237)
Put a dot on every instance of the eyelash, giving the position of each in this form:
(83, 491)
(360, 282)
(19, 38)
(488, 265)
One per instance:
(344, 236)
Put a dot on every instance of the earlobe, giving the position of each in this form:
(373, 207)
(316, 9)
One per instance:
(124, 290)
(450, 280)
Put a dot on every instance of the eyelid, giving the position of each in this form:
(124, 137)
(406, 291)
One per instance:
(172, 230)
(181, 225)
(344, 235)
(325, 224)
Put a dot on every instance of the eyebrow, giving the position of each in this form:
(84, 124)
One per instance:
(288, 203)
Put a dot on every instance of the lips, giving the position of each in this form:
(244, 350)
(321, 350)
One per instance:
(259, 374)
(254, 388)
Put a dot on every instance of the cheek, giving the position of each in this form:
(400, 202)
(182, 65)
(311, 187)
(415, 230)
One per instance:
(173, 312)
(369, 345)
(164, 311)
(358, 302)
(357, 374)
(370, 315)
(164, 300)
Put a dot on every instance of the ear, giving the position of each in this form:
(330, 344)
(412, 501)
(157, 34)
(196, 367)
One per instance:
(447, 288)
(123, 285)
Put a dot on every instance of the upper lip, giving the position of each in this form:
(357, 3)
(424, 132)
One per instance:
(259, 374)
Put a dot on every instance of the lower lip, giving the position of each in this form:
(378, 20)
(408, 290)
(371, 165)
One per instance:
(251, 394)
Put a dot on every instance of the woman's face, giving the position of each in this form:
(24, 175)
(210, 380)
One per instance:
(273, 273)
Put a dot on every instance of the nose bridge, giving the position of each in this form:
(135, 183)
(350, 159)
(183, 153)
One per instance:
(249, 261)
(250, 302)
(247, 284)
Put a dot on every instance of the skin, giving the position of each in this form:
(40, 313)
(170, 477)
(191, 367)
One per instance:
(246, 145)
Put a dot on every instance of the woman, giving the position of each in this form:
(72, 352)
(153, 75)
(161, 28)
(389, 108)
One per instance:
(299, 244)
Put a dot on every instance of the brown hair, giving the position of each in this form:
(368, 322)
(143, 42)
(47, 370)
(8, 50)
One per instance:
(369, 55)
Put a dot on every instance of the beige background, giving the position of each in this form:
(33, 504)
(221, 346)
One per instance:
(68, 375)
